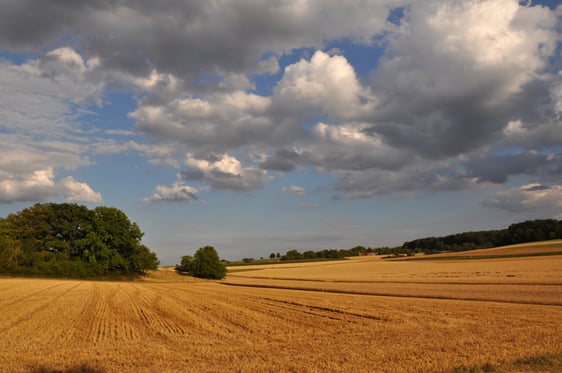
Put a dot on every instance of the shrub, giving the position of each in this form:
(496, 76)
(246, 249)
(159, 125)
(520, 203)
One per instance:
(207, 264)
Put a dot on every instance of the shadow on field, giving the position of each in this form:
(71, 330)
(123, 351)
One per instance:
(82, 368)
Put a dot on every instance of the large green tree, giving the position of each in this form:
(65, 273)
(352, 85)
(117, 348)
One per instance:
(207, 264)
(66, 239)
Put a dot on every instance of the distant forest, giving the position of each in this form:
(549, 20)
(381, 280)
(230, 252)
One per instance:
(527, 231)
(70, 240)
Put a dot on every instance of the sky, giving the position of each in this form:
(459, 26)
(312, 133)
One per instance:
(263, 126)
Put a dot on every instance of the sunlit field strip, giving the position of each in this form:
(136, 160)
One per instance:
(538, 270)
(130, 327)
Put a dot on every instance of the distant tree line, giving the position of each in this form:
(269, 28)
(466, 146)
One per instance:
(527, 231)
(294, 254)
(70, 240)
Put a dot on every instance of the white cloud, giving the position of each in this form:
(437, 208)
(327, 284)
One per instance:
(218, 122)
(40, 186)
(295, 189)
(40, 105)
(350, 147)
(176, 192)
(184, 38)
(456, 72)
(418, 175)
(456, 79)
(154, 81)
(515, 128)
(326, 83)
(533, 197)
(62, 61)
(73, 190)
(225, 172)
(39, 98)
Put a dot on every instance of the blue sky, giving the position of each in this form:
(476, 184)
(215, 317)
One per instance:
(264, 126)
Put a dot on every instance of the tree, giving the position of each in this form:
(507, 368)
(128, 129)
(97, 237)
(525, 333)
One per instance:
(272, 256)
(292, 255)
(66, 239)
(185, 262)
(207, 264)
(309, 254)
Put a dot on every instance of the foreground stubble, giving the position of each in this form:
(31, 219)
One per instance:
(57, 325)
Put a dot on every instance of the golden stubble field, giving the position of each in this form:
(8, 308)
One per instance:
(504, 310)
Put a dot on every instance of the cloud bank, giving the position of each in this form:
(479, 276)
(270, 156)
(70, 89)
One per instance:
(462, 95)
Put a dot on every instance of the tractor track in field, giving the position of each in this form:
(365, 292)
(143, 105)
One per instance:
(146, 309)
(393, 295)
(39, 307)
(385, 282)
(29, 295)
(319, 311)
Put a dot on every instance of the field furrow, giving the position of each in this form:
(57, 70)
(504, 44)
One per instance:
(17, 292)
(360, 325)
(509, 293)
(144, 308)
(23, 312)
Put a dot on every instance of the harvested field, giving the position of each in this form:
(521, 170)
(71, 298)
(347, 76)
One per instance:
(171, 323)
(542, 247)
(540, 270)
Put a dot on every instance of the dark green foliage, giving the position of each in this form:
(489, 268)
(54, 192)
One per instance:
(207, 264)
(323, 254)
(69, 240)
(548, 362)
(528, 231)
(292, 255)
(185, 262)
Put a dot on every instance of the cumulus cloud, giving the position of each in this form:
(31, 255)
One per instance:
(75, 191)
(283, 160)
(127, 34)
(217, 123)
(497, 169)
(451, 82)
(419, 175)
(225, 172)
(533, 197)
(327, 84)
(456, 73)
(40, 103)
(178, 191)
(40, 186)
(465, 93)
(349, 147)
(43, 96)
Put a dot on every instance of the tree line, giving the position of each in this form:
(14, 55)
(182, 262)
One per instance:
(70, 240)
(527, 231)
(294, 254)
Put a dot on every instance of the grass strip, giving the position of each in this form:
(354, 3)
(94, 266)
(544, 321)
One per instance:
(477, 257)
(541, 363)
